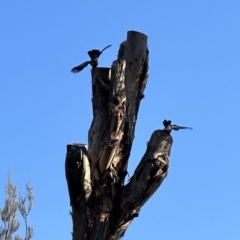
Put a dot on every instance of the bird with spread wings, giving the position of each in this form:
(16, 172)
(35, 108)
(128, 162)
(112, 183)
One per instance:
(169, 127)
(94, 55)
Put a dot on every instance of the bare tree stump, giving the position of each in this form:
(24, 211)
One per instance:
(102, 206)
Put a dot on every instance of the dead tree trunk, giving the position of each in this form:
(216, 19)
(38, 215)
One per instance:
(102, 206)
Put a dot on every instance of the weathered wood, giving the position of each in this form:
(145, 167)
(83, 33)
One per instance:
(146, 179)
(102, 206)
(100, 111)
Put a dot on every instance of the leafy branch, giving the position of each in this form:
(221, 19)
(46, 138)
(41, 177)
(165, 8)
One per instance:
(10, 224)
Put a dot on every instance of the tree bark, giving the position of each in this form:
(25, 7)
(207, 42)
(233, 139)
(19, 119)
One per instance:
(102, 206)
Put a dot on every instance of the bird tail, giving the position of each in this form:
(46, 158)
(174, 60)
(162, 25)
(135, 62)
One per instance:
(105, 48)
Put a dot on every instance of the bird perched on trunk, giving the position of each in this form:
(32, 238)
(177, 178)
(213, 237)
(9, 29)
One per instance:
(94, 55)
(169, 127)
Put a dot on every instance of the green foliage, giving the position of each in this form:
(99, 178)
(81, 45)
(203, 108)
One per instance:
(24, 204)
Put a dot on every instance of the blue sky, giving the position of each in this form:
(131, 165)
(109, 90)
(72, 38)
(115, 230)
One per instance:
(193, 80)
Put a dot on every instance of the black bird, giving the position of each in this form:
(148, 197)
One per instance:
(94, 55)
(169, 127)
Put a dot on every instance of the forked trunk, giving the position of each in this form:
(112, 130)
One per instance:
(102, 206)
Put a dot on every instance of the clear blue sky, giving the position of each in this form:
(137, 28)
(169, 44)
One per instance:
(194, 80)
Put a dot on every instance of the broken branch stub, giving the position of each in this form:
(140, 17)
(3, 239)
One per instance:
(77, 170)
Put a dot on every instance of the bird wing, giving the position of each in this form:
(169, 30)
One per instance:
(80, 67)
(176, 128)
(185, 128)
